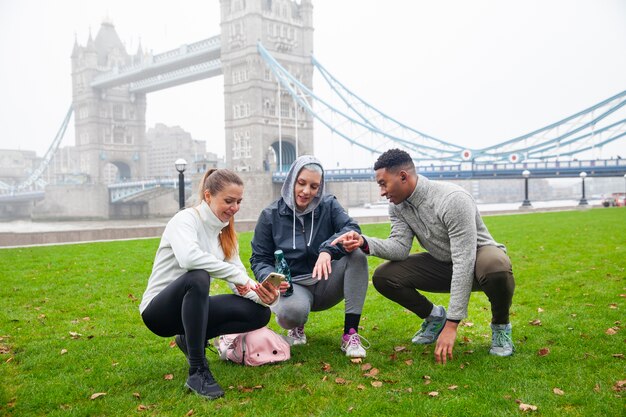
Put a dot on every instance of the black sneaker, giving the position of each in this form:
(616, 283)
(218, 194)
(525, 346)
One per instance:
(182, 344)
(202, 383)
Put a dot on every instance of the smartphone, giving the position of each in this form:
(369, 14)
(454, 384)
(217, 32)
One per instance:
(275, 279)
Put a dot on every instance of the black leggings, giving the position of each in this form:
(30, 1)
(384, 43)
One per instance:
(185, 307)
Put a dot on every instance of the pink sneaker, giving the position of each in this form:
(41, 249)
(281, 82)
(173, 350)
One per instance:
(351, 344)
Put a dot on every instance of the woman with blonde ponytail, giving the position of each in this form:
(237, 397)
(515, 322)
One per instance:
(200, 244)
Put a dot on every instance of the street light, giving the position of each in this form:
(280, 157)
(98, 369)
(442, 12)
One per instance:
(180, 165)
(526, 202)
(583, 200)
(624, 189)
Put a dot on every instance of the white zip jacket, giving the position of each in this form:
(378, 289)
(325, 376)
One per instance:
(190, 241)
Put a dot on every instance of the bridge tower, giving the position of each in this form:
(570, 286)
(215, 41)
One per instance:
(255, 139)
(109, 123)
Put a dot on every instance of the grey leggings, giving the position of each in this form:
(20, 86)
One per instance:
(348, 280)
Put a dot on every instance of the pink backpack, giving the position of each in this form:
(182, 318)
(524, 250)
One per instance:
(258, 347)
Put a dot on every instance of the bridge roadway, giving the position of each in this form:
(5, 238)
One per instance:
(552, 169)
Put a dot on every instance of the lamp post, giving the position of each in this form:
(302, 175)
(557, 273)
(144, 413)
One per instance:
(583, 200)
(180, 165)
(526, 202)
(624, 190)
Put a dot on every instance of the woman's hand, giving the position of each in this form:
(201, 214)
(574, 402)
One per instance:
(284, 286)
(266, 292)
(322, 267)
(243, 289)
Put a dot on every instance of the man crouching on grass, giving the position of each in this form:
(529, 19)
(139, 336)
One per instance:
(461, 255)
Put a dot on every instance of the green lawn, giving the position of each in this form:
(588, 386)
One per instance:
(70, 328)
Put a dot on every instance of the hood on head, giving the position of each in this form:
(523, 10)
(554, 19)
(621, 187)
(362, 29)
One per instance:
(287, 191)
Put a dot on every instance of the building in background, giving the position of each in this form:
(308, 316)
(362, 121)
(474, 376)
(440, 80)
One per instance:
(16, 165)
(168, 143)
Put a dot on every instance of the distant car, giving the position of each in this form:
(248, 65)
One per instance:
(615, 200)
(610, 202)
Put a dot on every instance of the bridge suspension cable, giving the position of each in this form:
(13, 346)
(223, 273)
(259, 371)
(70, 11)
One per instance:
(35, 176)
(363, 125)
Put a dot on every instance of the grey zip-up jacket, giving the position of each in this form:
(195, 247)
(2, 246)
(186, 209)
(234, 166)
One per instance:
(446, 222)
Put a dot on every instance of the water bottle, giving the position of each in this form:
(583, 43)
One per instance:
(282, 267)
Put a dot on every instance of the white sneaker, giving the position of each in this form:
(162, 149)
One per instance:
(297, 335)
(351, 344)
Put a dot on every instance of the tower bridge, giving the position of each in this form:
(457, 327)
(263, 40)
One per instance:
(264, 54)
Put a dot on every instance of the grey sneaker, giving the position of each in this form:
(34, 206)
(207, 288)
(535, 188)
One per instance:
(201, 382)
(501, 341)
(430, 330)
(297, 335)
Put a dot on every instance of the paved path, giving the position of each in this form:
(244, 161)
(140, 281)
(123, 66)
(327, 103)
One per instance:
(19, 233)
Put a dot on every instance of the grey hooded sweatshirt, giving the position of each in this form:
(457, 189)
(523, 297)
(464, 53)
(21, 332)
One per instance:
(301, 235)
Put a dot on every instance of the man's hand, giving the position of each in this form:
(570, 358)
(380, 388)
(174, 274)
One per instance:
(350, 240)
(445, 342)
(322, 267)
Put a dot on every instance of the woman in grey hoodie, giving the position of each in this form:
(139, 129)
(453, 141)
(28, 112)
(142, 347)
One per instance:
(302, 223)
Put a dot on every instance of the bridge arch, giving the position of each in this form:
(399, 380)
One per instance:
(116, 172)
(288, 155)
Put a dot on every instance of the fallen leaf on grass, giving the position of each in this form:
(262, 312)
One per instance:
(613, 305)
(433, 394)
(132, 297)
(372, 373)
(350, 409)
(4, 349)
(453, 387)
(326, 367)
(172, 343)
(535, 322)
(136, 395)
(540, 310)
(360, 387)
(527, 407)
(325, 378)
(557, 391)
(468, 324)
(75, 335)
(409, 362)
(169, 377)
(611, 331)
(399, 348)
(356, 360)
(366, 367)
(189, 413)
(63, 351)
(618, 355)
(41, 316)
(620, 386)
(141, 407)
(377, 384)
(340, 381)
(97, 395)
(543, 352)
(597, 388)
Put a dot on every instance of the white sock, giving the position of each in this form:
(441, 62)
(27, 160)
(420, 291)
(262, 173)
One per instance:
(437, 311)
